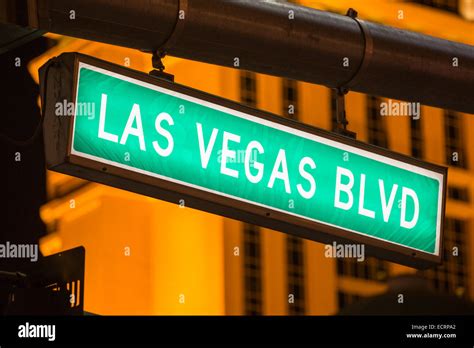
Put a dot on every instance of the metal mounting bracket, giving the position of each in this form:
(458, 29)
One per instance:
(159, 67)
(341, 119)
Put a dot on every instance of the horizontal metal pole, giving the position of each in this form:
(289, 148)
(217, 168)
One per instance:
(280, 39)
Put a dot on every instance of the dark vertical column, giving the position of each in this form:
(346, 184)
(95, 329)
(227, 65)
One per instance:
(23, 183)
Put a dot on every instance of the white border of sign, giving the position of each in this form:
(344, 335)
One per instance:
(312, 137)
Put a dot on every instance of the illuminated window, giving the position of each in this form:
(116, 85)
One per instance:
(248, 88)
(294, 245)
(452, 276)
(252, 270)
(290, 98)
(296, 276)
(370, 269)
(458, 193)
(251, 233)
(454, 141)
(377, 133)
(446, 5)
(333, 96)
(416, 138)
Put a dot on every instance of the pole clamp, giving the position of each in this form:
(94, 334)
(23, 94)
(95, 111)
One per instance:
(368, 50)
(161, 51)
(341, 119)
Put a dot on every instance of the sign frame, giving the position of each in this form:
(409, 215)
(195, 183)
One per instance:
(63, 72)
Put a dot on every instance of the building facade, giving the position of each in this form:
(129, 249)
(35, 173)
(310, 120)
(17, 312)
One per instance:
(146, 256)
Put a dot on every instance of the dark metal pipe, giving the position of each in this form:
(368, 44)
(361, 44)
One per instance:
(262, 36)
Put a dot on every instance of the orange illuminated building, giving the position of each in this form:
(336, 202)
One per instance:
(146, 256)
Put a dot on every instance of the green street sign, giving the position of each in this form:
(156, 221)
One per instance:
(134, 131)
